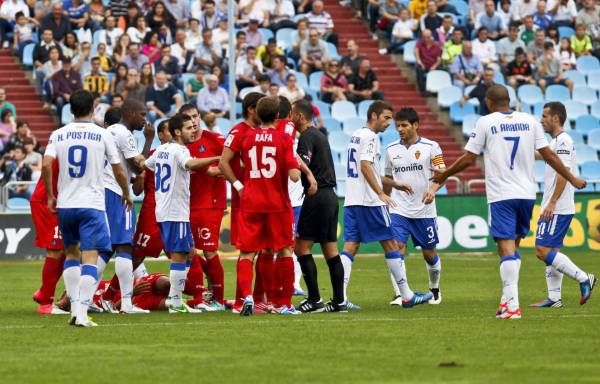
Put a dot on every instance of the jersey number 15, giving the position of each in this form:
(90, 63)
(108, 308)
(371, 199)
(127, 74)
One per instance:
(268, 166)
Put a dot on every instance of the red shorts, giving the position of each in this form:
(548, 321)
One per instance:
(260, 231)
(149, 301)
(234, 223)
(147, 241)
(206, 227)
(47, 233)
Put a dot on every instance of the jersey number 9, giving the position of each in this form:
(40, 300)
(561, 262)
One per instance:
(77, 158)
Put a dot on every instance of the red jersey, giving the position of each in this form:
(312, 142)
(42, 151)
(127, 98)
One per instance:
(207, 192)
(268, 155)
(234, 138)
(39, 194)
(286, 126)
(149, 198)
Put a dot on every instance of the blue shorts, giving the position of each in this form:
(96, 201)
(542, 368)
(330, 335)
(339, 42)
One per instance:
(86, 227)
(296, 216)
(176, 236)
(552, 233)
(120, 221)
(510, 219)
(367, 224)
(423, 231)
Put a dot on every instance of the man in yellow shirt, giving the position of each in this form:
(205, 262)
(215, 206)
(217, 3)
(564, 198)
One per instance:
(95, 82)
(266, 52)
(417, 8)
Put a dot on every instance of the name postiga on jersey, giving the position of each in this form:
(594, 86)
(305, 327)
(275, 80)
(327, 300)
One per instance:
(510, 127)
(79, 136)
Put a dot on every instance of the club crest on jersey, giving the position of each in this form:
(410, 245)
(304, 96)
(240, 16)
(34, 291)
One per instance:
(202, 149)
(417, 155)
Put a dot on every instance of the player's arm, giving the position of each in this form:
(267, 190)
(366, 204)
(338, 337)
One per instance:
(304, 148)
(554, 161)
(138, 184)
(366, 167)
(437, 163)
(389, 183)
(121, 178)
(149, 138)
(47, 176)
(226, 170)
(198, 164)
(465, 161)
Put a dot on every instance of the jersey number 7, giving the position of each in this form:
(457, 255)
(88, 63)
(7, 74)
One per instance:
(513, 153)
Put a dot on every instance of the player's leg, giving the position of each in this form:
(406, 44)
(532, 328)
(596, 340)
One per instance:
(284, 281)
(401, 232)
(298, 291)
(424, 234)
(264, 286)
(352, 240)
(194, 284)
(303, 251)
(69, 226)
(251, 238)
(434, 271)
(216, 275)
(336, 275)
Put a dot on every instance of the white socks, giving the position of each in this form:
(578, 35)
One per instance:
(563, 264)
(297, 273)
(509, 274)
(124, 271)
(71, 277)
(347, 260)
(177, 275)
(395, 263)
(395, 286)
(554, 283)
(87, 286)
(140, 271)
(434, 269)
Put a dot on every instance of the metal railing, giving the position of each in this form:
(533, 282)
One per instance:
(5, 191)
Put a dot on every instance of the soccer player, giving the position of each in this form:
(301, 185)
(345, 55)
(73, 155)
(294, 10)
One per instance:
(81, 149)
(150, 292)
(319, 215)
(208, 201)
(366, 215)
(409, 161)
(121, 221)
(265, 219)
(508, 141)
(172, 164)
(558, 208)
(47, 236)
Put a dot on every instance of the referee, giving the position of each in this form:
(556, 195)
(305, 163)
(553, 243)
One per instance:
(319, 215)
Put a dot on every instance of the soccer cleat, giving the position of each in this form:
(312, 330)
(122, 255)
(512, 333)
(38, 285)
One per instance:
(288, 311)
(418, 298)
(229, 304)
(437, 296)
(397, 301)
(298, 291)
(93, 308)
(263, 307)
(50, 309)
(547, 303)
(86, 324)
(307, 306)
(73, 320)
(183, 308)
(334, 307)
(503, 307)
(586, 288)
(216, 306)
(352, 307)
(36, 297)
(108, 306)
(134, 310)
(247, 307)
(510, 315)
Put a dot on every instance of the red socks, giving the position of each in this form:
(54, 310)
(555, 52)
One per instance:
(284, 281)
(244, 277)
(214, 271)
(194, 284)
(51, 272)
(264, 277)
(112, 289)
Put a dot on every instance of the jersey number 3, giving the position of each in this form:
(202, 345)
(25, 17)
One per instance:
(268, 166)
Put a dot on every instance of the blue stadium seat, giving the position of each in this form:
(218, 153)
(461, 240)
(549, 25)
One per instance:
(574, 109)
(266, 34)
(324, 108)
(577, 137)
(585, 95)
(65, 114)
(352, 124)
(595, 109)
(540, 166)
(339, 141)
(461, 6)
(333, 52)
(343, 157)
(538, 109)
(96, 36)
(594, 139)
(284, 37)
(409, 52)
(468, 124)
(340, 171)
(301, 79)
(224, 125)
(332, 125)
(594, 80)
(185, 77)
(458, 112)
(587, 64)
(238, 109)
(27, 58)
(437, 80)
(577, 77)
(314, 81)
(585, 153)
(590, 170)
(342, 110)
(499, 78)
(565, 32)
(557, 92)
(443, 191)
(17, 204)
(530, 94)
(448, 96)
(584, 124)
(512, 95)
(363, 107)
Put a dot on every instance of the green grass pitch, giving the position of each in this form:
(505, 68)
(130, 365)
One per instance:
(458, 341)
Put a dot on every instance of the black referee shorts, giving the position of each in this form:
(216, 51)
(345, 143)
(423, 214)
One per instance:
(319, 217)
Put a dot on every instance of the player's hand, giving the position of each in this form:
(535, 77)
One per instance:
(579, 183)
(52, 204)
(404, 187)
(387, 200)
(149, 131)
(127, 202)
(214, 171)
(312, 185)
(438, 177)
(428, 197)
(548, 212)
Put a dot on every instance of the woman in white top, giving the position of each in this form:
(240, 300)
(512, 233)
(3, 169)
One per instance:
(291, 91)
(137, 34)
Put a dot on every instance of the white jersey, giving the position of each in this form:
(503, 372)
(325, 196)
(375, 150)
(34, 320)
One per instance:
(295, 189)
(171, 182)
(127, 149)
(413, 165)
(81, 149)
(364, 145)
(564, 148)
(508, 142)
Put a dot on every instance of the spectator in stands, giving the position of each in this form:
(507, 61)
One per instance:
(490, 19)
(273, 90)
(478, 92)
(581, 42)
(193, 35)
(563, 11)
(282, 12)
(524, 8)
(96, 82)
(118, 8)
(117, 101)
(240, 44)
(444, 31)
(139, 31)
(508, 45)
(389, 11)
(151, 47)
(82, 61)
(254, 36)
(79, 15)
(255, 10)
(364, 84)
(527, 30)
(264, 82)
(589, 14)
(158, 16)
(541, 17)
(535, 49)
(372, 12)
(299, 36)
(180, 10)
(431, 20)
(428, 54)
(180, 51)
(210, 122)
(313, 53)
(119, 81)
(8, 12)
(45, 72)
(57, 21)
(106, 62)
(485, 49)
(69, 46)
(208, 53)
(552, 35)
(466, 68)
(134, 89)
(452, 48)
(403, 31)
(32, 158)
(146, 75)
(247, 68)
(42, 49)
(266, 53)
(4, 104)
(292, 91)
(213, 98)
(417, 8)
(134, 59)
(549, 70)
(18, 138)
(334, 84)
(130, 19)
(23, 32)
(15, 169)
(321, 21)
(223, 79)
(194, 85)
(506, 12)
(221, 34)
(207, 15)
(64, 83)
(279, 73)
(162, 99)
(121, 48)
(7, 127)
(97, 13)
(567, 57)
(169, 65)
(351, 60)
